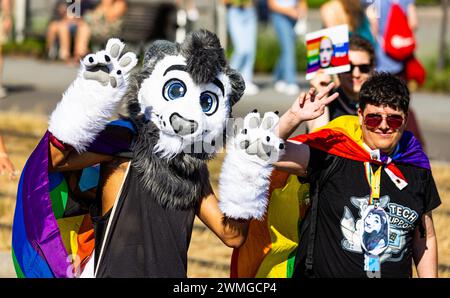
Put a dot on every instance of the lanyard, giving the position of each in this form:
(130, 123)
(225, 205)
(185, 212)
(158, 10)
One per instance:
(374, 180)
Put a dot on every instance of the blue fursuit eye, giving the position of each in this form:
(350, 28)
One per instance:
(174, 89)
(209, 102)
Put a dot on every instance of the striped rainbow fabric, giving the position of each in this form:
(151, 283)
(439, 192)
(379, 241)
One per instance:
(271, 245)
(37, 247)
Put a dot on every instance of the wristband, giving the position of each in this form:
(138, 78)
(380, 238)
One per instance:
(58, 144)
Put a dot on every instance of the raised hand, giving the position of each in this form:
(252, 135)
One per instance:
(307, 106)
(107, 66)
(92, 99)
(257, 138)
(6, 166)
(245, 176)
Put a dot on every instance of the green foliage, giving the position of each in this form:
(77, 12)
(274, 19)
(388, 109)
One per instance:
(315, 3)
(437, 81)
(30, 47)
(427, 2)
(267, 51)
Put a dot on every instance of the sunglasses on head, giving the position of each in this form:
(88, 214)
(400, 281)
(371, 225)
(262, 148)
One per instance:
(363, 68)
(374, 120)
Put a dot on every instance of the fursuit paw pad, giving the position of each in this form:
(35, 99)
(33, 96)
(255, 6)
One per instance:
(245, 177)
(107, 66)
(258, 140)
(92, 99)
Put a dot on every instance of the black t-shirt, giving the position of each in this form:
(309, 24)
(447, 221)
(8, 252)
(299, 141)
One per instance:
(342, 105)
(347, 227)
(145, 239)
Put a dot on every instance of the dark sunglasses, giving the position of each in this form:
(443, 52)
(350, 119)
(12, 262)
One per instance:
(363, 68)
(374, 120)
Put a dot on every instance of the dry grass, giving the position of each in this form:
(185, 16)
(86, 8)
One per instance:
(20, 132)
(441, 216)
(209, 257)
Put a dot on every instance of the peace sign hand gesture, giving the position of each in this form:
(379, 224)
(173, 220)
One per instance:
(311, 105)
(307, 106)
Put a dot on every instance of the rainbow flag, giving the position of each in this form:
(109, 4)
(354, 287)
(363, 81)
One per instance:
(340, 57)
(52, 236)
(271, 243)
(312, 54)
(339, 38)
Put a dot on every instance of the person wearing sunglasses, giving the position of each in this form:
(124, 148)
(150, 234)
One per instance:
(362, 63)
(358, 165)
(362, 66)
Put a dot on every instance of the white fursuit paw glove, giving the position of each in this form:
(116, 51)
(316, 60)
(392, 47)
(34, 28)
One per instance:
(93, 97)
(245, 177)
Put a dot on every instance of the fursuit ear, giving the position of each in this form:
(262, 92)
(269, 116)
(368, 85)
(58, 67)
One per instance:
(155, 53)
(205, 57)
(158, 50)
(237, 85)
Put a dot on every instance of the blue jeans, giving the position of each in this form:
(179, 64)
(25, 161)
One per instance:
(285, 69)
(242, 26)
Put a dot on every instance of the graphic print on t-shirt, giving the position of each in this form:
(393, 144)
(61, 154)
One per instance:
(379, 232)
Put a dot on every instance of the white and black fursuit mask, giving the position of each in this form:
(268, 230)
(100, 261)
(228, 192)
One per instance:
(180, 102)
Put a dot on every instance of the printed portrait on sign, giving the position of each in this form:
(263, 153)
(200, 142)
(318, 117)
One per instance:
(327, 49)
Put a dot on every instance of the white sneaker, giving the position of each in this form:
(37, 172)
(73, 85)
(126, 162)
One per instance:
(280, 86)
(292, 89)
(251, 89)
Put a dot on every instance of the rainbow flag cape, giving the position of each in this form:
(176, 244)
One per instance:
(271, 244)
(52, 235)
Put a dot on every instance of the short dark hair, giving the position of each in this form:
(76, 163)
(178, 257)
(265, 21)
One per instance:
(357, 43)
(384, 89)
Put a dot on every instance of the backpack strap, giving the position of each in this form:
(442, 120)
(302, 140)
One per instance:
(313, 219)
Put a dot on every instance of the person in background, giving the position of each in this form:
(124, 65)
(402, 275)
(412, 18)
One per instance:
(5, 163)
(349, 12)
(389, 172)
(378, 15)
(242, 23)
(5, 28)
(284, 14)
(103, 22)
(187, 17)
(63, 26)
